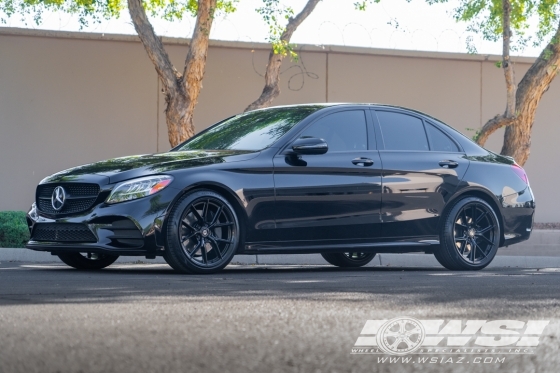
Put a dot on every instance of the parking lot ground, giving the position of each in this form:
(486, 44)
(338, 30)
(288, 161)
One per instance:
(252, 318)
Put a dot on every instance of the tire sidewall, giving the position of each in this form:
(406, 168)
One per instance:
(448, 242)
(174, 251)
(341, 260)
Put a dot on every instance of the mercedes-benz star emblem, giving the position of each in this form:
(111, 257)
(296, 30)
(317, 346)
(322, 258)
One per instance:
(58, 198)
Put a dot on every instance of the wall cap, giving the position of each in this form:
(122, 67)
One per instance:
(15, 31)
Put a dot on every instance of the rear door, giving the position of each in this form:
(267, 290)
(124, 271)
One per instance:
(422, 167)
(332, 196)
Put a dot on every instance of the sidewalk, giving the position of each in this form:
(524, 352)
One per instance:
(542, 250)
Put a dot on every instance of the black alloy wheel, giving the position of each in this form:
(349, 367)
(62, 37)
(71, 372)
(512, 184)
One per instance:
(470, 235)
(88, 261)
(348, 260)
(202, 233)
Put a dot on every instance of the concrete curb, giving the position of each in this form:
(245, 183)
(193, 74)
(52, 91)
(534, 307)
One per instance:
(413, 260)
(381, 260)
(31, 256)
(541, 250)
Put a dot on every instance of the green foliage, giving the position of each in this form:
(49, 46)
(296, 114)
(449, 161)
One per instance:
(97, 10)
(362, 4)
(277, 16)
(476, 133)
(13, 229)
(485, 17)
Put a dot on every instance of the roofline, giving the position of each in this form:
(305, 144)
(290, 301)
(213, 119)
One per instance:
(16, 31)
(330, 104)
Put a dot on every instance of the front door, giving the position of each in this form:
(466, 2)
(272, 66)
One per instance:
(336, 196)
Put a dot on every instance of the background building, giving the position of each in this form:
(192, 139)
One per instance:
(72, 98)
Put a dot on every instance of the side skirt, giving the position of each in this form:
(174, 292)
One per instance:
(427, 246)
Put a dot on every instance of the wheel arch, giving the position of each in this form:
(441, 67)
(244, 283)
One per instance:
(224, 191)
(482, 194)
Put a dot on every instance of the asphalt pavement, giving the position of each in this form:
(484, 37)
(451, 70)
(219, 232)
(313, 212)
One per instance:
(255, 318)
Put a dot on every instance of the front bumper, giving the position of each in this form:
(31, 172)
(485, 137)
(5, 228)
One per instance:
(132, 228)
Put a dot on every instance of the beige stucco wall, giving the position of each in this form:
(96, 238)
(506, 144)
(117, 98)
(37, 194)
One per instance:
(73, 98)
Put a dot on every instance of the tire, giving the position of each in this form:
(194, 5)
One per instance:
(348, 260)
(470, 235)
(89, 262)
(203, 233)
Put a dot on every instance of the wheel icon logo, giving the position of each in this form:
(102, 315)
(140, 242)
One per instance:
(401, 336)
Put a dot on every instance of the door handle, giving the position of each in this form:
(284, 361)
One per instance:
(363, 161)
(448, 164)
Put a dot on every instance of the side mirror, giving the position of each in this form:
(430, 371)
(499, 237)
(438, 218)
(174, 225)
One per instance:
(310, 145)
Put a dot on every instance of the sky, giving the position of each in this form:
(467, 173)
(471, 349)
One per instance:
(334, 22)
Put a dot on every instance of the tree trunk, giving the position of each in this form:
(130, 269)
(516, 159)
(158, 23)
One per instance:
(272, 77)
(195, 64)
(517, 137)
(506, 65)
(506, 119)
(181, 90)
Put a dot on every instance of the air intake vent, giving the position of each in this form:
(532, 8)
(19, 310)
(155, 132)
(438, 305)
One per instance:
(125, 234)
(62, 232)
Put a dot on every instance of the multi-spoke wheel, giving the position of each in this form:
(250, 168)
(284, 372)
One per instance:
(202, 233)
(354, 259)
(88, 261)
(470, 235)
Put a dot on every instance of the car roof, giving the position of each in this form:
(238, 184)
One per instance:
(332, 104)
(324, 105)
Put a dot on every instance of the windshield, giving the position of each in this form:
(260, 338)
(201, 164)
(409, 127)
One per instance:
(255, 130)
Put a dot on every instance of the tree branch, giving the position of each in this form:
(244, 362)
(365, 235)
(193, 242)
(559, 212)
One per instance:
(535, 82)
(153, 45)
(492, 126)
(506, 65)
(531, 88)
(271, 89)
(506, 119)
(294, 23)
(542, 72)
(198, 48)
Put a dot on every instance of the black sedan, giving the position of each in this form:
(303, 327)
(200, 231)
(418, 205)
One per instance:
(343, 180)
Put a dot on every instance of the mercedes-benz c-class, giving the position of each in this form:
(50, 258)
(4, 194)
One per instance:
(346, 181)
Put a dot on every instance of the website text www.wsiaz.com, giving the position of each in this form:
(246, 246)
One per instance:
(440, 360)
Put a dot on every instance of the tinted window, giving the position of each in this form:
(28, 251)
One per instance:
(255, 130)
(343, 131)
(439, 141)
(402, 132)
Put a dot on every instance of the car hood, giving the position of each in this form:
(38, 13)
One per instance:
(124, 168)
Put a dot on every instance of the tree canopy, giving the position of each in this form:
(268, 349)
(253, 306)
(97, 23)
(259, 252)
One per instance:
(98, 10)
(485, 17)
(516, 23)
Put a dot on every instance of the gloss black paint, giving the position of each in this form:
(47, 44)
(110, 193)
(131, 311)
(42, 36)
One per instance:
(308, 203)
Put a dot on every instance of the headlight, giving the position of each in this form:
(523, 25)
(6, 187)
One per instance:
(138, 188)
(33, 212)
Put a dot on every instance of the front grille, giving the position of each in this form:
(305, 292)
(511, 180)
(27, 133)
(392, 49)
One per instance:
(79, 197)
(72, 189)
(62, 232)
